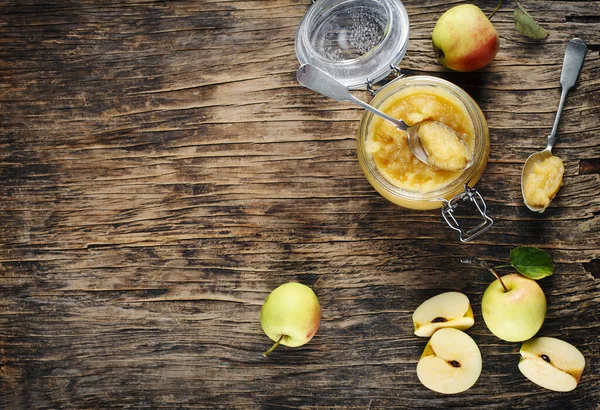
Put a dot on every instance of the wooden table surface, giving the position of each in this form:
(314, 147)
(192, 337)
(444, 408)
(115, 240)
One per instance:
(161, 171)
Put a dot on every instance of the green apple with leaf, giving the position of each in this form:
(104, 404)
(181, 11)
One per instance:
(514, 305)
(290, 315)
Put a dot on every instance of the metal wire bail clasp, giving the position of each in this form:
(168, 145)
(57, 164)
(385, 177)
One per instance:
(394, 69)
(471, 195)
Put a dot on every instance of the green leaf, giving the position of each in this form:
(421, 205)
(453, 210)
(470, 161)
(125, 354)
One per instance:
(531, 262)
(526, 25)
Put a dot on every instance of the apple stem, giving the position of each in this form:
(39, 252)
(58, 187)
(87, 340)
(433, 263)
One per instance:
(486, 265)
(495, 10)
(265, 354)
(498, 277)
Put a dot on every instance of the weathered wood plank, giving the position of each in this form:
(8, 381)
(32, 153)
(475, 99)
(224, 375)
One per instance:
(161, 171)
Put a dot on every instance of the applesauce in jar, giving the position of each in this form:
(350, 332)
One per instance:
(385, 156)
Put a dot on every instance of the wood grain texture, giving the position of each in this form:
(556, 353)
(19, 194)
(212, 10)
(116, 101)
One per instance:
(161, 172)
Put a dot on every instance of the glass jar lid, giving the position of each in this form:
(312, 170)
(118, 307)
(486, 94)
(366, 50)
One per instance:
(353, 40)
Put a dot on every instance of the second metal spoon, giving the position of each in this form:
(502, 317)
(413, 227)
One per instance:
(319, 81)
(574, 56)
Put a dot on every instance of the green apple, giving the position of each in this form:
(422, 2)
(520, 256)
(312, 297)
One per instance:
(290, 315)
(465, 39)
(450, 363)
(514, 307)
(551, 363)
(448, 309)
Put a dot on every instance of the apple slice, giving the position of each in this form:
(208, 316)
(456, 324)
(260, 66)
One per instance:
(450, 363)
(551, 363)
(449, 309)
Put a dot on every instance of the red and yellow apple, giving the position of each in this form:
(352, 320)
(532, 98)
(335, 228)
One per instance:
(465, 39)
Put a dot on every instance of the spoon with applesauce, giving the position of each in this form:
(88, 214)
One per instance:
(431, 142)
(542, 172)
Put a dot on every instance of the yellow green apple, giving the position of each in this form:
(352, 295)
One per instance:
(465, 39)
(551, 363)
(448, 309)
(290, 315)
(514, 307)
(450, 363)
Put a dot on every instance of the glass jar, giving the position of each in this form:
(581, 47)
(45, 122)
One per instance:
(353, 40)
(429, 199)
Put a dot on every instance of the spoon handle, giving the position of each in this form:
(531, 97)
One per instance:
(319, 81)
(401, 125)
(574, 56)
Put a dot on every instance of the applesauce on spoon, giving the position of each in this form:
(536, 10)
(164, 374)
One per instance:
(543, 181)
(444, 149)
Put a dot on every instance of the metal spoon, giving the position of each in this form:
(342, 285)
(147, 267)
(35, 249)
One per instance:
(319, 81)
(574, 56)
